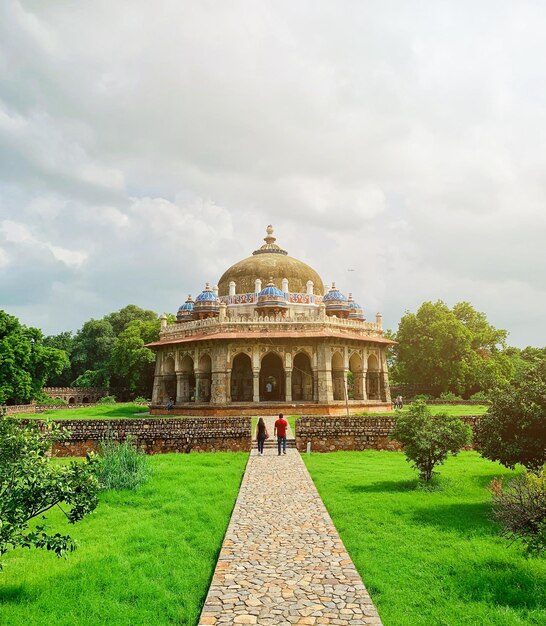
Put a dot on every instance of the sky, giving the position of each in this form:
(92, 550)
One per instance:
(145, 146)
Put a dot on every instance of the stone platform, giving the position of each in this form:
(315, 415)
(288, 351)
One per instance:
(237, 409)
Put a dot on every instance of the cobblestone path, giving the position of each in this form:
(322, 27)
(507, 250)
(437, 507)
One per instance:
(282, 561)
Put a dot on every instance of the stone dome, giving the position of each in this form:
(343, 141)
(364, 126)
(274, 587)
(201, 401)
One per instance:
(270, 262)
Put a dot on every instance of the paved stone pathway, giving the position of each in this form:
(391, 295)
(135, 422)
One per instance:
(282, 561)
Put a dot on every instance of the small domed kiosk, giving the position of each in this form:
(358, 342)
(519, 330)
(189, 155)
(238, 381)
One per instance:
(269, 338)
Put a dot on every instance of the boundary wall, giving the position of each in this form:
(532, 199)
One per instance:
(156, 435)
(331, 434)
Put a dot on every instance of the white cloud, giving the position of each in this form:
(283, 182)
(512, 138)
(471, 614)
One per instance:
(143, 151)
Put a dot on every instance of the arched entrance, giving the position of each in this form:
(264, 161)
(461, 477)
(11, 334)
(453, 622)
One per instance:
(338, 380)
(71, 400)
(204, 379)
(302, 378)
(186, 387)
(372, 378)
(356, 392)
(272, 379)
(241, 379)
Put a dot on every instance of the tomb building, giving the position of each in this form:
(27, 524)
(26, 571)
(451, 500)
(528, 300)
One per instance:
(270, 338)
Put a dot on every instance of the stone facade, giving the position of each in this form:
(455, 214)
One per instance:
(327, 434)
(76, 395)
(158, 435)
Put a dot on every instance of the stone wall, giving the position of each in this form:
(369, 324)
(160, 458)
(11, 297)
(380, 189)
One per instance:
(330, 434)
(158, 435)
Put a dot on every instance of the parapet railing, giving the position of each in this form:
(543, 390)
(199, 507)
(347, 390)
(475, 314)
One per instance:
(264, 324)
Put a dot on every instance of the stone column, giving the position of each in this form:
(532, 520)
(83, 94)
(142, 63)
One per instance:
(288, 386)
(255, 385)
(385, 387)
(362, 377)
(324, 375)
(197, 387)
(182, 387)
(157, 393)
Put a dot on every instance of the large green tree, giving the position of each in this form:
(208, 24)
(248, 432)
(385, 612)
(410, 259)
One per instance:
(26, 363)
(441, 349)
(63, 341)
(131, 361)
(110, 352)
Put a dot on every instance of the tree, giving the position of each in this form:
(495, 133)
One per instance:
(63, 341)
(428, 440)
(25, 361)
(133, 363)
(93, 349)
(30, 485)
(119, 320)
(443, 350)
(514, 428)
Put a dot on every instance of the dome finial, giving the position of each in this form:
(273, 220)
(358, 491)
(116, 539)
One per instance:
(270, 245)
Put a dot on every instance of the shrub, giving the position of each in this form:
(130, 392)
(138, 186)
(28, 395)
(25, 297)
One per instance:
(520, 506)
(480, 396)
(428, 440)
(107, 400)
(141, 400)
(121, 464)
(449, 396)
(425, 397)
(30, 485)
(514, 428)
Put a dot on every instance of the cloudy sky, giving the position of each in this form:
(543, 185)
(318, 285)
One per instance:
(144, 147)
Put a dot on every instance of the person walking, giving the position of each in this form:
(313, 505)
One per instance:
(261, 435)
(280, 431)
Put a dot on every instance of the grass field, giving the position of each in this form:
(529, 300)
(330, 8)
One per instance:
(429, 558)
(450, 409)
(145, 557)
(121, 410)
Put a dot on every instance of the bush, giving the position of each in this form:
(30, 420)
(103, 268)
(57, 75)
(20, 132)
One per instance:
(121, 465)
(480, 396)
(107, 400)
(425, 397)
(141, 400)
(514, 428)
(449, 396)
(428, 440)
(520, 507)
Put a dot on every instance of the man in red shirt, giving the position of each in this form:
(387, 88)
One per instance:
(280, 431)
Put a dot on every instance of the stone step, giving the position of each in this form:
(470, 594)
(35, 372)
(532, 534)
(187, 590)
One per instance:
(272, 443)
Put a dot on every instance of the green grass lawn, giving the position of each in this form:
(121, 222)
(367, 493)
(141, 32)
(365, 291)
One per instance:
(121, 410)
(451, 409)
(430, 558)
(145, 557)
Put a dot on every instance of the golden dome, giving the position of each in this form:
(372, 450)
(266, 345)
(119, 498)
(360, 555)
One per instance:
(270, 262)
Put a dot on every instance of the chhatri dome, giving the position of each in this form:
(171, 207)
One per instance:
(270, 263)
(270, 338)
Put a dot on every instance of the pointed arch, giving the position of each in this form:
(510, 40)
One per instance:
(272, 379)
(241, 378)
(354, 379)
(302, 377)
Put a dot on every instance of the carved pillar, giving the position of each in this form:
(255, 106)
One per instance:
(385, 386)
(288, 385)
(362, 376)
(197, 386)
(255, 385)
(324, 375)
(182, 387)
(157, 393)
